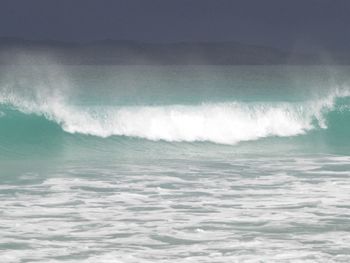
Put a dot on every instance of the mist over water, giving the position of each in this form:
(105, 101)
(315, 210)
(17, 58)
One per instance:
(175, 163)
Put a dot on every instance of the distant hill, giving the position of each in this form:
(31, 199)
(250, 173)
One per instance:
(112, 52)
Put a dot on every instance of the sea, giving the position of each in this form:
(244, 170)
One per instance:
(129, 164)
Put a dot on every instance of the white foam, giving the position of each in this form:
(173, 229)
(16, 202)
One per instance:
(220, 123)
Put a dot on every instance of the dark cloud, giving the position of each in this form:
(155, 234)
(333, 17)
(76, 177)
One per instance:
(283, 23)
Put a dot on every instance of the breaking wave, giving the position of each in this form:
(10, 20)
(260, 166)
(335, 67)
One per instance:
(223, 123)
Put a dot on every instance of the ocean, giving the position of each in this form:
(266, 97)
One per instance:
(174, 163)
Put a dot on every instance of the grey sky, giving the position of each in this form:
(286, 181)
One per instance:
(281, 23)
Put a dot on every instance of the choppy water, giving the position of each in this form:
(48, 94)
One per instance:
(174, 164)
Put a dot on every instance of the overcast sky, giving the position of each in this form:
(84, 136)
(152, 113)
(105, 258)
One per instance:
(279, 23)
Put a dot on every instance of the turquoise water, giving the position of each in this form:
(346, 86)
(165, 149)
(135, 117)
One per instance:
(174, 163)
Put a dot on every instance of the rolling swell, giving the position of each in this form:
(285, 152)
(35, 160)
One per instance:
(223, 123)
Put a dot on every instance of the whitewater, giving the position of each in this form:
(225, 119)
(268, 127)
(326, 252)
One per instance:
(175, 163)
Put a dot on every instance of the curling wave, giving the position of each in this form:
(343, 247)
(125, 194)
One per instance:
(225, 123)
